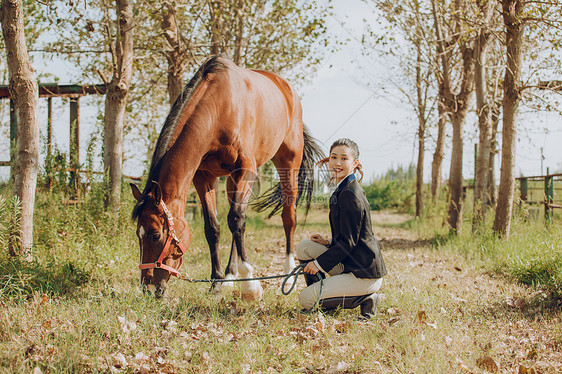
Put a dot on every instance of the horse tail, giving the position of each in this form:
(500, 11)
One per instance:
(273, 198)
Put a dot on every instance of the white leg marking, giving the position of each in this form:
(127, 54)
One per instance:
(229, 284)
(288, 266)
(251, 290)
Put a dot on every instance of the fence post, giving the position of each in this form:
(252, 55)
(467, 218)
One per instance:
(13, 137)
(523, 182)
(74, 144)
(548, 197)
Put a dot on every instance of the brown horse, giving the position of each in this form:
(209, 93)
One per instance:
(227, 122)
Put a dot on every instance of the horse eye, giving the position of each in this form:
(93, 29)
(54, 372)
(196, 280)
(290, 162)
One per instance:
(155, 237)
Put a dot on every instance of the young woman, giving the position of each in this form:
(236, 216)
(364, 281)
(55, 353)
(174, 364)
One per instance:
(352, 257)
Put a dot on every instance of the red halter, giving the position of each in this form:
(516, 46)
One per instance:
(171, 235)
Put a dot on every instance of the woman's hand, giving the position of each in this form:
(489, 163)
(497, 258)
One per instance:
(319, 239)
(311, 268)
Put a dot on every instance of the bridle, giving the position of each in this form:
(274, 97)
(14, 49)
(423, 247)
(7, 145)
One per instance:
(171, 236)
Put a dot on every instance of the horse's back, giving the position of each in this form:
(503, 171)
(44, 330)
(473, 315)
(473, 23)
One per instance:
(260, 113)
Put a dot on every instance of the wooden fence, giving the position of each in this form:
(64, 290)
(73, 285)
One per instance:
(547, 192)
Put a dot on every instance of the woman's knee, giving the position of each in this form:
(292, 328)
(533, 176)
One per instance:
(307, 299)
(300, 249)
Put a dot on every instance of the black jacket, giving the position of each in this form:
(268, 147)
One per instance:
(353, 242)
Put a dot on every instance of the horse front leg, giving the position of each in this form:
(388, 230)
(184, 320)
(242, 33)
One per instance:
(238, 187)
(205, 185)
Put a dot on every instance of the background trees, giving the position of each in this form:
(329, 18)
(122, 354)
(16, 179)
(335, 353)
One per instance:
(470, 55)
(437, 46)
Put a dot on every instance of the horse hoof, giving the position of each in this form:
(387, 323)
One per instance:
(229, 284)
(252, 291)
(216, 288)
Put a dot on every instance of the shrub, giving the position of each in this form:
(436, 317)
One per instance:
(395, 190)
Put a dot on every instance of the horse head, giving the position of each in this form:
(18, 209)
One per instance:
(162, 239)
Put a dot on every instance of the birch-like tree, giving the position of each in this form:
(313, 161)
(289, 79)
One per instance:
(456, 93)
(120, 36)
(409, 31)
(24, 92)
(543, 20)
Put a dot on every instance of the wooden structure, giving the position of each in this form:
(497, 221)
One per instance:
(50, 90)
(548, 199)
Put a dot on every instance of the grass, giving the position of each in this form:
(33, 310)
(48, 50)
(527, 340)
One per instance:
(446, 308)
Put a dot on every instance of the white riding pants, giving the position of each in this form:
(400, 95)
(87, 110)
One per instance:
(337, 284)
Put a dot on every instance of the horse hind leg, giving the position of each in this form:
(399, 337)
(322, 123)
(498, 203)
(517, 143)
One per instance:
(289, 174)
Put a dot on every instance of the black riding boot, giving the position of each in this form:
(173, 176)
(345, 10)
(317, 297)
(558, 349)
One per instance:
(368, 304)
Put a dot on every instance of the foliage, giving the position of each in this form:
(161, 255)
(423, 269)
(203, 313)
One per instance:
(22, 279)
(394, 190)
(10, 223)
(531, 256)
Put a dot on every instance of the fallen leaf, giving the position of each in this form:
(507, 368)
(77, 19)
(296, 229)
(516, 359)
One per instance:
(342, 327)
(524, 370)
(458, 268)
(448, 341)
(532, 354)
(422, 317)
(487, 363)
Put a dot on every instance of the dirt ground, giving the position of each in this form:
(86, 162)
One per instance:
(506, 327)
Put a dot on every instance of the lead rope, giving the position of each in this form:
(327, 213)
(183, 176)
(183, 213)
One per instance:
(297, 270)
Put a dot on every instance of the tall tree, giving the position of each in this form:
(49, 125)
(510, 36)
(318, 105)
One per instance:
(439, 152)
(456, 99)
(516, 15)
(116, 98)
(514, 27)
(484, 110)
(410, 20)
(24, 92)
(176, 55)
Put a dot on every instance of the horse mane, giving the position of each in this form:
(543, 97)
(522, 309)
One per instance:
(212, 65)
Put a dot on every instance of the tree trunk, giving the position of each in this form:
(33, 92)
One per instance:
(439, 153)
(455, 175)
(25, 94)
(512, 13)
(495, 113)
(421, 133)
(215, 11)
(456, 105)
(175, 56)
(116, 102)
(239, 35)
(484, 127)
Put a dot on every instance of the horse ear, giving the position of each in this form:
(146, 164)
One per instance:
(156, 192)
(136, 193)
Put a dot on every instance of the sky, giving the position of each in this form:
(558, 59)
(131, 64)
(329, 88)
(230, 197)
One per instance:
(336, 105)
